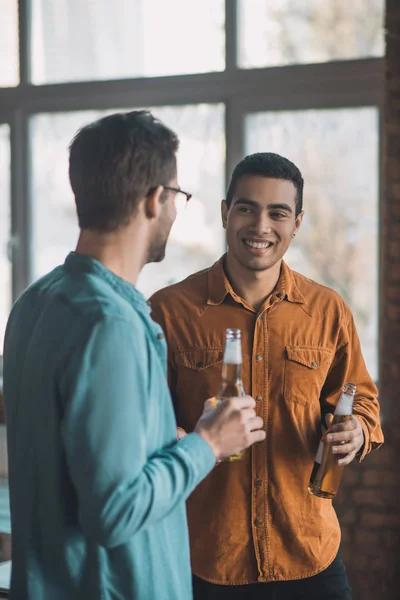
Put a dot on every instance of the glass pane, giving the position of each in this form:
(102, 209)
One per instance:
(196, 239)
(98, 39)
(337, 152)
(287, 32)
(9, 51)
(5, 226)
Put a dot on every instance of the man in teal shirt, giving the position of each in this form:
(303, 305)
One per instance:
(98, 481)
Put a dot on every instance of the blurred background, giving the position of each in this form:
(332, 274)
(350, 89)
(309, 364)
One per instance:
(303, 78)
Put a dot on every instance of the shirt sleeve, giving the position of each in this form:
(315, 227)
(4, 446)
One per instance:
(120, 489)
(349, 366)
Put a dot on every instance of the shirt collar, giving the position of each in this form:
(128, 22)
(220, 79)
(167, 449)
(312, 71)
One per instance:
(289, 287)
(219, 286)
(81, 263)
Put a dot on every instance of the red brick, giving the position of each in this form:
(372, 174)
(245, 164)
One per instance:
(384, 456)
(379, 497)
(393, 172)
(368, 497)
(375, 519)
(392, 313)
(367, 538)
(373, 477)
(351, 475)
(395, 208)
(395, 187)
(395, 229)
(394, 249)
(359, 561)
(378, 563)
(391, 539)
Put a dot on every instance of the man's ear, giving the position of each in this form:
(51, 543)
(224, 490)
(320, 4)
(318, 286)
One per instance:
(224, 213)
(152, 203)
(298, 221)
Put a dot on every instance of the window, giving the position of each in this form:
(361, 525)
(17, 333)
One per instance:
(201, 164)
(205, 68)
(289, 32)
(337, 245)
(9, 43)
(98, 39)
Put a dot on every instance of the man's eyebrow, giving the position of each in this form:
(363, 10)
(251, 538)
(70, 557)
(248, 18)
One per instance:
(246, 201)
(272, 206)
(281, 206)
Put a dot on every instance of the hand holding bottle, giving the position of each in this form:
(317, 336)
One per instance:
(231, 427)
(346, 438)
(342, 441)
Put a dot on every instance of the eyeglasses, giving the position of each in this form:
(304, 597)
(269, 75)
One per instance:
(181, 198)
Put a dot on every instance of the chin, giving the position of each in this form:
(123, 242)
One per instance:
(156, 253)
(258, 265)
(156, 258)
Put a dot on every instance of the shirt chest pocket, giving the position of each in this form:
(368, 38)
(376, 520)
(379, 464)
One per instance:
(306, 368)
(198, 377)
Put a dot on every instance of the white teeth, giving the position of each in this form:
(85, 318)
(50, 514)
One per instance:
(258, 245)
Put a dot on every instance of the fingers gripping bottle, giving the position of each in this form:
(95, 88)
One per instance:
(326, 474)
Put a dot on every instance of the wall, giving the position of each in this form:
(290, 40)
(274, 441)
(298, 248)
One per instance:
(369, 501)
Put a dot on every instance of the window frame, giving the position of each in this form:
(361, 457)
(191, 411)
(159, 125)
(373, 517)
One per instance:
(353, 83)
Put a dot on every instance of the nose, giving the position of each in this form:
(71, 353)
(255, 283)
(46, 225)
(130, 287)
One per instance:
(263, 223)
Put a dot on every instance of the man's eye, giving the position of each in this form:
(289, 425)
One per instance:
(245, 209)
(278, 215)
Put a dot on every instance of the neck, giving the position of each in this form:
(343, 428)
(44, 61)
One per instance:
(123, 252)
(253, 286)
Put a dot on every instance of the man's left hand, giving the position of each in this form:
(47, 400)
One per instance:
(347, 438)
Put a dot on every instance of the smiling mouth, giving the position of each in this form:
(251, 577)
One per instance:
(257, 245)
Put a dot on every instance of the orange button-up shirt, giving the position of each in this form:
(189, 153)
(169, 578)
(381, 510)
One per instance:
(254, 520)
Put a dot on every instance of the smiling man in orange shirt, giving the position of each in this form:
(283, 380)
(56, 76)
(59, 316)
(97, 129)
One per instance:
(255, 530)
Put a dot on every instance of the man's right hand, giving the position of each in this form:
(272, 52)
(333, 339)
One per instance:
(231, 427)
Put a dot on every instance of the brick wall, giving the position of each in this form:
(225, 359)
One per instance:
(369, 501)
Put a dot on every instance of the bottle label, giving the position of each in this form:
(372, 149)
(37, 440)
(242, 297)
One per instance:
(318, 456)
(233, 352)
(345, 405)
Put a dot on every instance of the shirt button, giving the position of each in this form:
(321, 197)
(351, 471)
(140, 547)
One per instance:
(259, 398)
(259, 318)
(279, 295)
(314, 364)
(160, 336)
(258, 522)
(259, 357)
(258, 482)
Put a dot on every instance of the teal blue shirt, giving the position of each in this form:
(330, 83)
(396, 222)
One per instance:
(98, 482)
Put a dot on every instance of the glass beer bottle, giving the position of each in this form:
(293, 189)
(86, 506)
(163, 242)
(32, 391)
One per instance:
(232, 372)
(326, 474)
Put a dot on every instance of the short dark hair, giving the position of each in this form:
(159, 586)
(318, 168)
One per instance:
(114, 162)
(268, 164)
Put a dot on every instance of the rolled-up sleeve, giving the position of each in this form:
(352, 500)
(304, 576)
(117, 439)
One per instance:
(349, 366)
